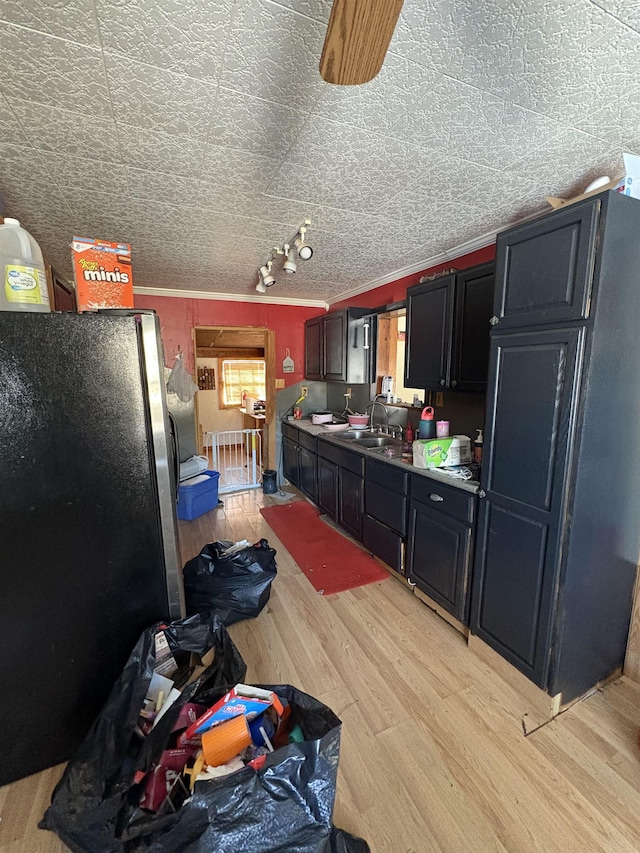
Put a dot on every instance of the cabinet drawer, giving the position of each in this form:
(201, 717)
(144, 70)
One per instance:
(290, 432)
(386, 475)
(385, 506)
(351, 461)
(438, 496)
(382, 542)
(308, 441)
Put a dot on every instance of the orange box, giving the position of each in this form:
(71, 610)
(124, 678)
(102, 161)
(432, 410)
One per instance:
(102, 272)
(221, 743)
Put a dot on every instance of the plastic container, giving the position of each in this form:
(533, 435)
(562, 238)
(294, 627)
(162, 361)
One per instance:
(427, 428)
(198, 495)
(269, 482)
(442, 429)
(24, 281)
(358, 420)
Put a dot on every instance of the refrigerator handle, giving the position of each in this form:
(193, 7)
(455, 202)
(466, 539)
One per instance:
(174, 451)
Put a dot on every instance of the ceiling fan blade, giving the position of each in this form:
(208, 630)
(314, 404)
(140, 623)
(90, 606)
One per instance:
(357, 40)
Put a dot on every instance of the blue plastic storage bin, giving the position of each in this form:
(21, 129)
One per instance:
(197, 498)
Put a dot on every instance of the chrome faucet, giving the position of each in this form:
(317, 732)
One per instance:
(375, 402)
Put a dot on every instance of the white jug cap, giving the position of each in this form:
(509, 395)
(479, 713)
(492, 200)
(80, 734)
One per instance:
(9, 221)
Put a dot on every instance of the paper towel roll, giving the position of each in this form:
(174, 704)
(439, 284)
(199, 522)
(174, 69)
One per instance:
(193, 466)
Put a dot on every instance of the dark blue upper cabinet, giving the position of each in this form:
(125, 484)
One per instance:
(448, 331)
(429, 326)
(470, 346)
(544, 270)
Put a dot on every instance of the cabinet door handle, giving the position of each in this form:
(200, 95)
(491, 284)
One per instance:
(436, 498)
(482, 493)
(366, 336)
(454, 382)
(494, 320)
(442, 381)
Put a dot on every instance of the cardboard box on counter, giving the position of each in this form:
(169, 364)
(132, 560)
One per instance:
(440, 452)
(627, 185)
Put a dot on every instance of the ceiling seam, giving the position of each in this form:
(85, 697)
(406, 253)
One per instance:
(614, 16)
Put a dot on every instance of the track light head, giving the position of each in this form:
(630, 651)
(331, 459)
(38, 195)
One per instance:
(289, 264)
(261, 287)
(265, 275)
(303, 249)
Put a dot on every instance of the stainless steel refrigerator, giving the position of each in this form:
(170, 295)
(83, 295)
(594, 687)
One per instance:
(88, 531)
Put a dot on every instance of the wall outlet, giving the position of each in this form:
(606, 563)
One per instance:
(439, 398)
(348, 394)
(304, 390)
(279, 383)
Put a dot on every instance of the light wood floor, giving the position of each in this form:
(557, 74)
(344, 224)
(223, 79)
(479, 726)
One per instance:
(433, 754)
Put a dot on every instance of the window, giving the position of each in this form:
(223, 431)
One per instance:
(242, 376)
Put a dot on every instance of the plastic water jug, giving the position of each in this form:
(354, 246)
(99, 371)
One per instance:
(24, 281)
(427, 428)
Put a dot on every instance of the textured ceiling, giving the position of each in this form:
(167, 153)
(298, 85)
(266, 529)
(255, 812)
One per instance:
(200, 130)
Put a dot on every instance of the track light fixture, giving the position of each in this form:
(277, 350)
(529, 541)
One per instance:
(289, 264)
(295, 248)
(265, 274)
(303, 249)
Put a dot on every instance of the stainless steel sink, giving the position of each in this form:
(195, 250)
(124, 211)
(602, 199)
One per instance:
(366, 438)
(377, 441)
(352, 434)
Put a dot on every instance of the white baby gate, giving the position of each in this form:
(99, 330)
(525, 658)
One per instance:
(237, 455)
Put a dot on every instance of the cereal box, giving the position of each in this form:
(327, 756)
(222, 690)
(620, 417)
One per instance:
(102, 272)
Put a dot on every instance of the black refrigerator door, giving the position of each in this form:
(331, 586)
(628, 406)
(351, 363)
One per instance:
(82, 569)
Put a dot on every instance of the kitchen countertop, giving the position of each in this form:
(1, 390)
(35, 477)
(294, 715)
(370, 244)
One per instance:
(376, 453)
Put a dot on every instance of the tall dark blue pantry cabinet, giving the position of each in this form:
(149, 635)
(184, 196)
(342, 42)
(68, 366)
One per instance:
(559, 522)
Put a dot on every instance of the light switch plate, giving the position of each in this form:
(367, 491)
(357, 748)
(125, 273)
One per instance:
(279, 383)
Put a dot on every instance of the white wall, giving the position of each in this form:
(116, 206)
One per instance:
(211, 418)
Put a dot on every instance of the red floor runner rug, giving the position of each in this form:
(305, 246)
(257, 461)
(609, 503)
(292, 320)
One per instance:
(329, 561)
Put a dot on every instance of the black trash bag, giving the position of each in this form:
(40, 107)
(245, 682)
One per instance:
(285, 807)
(343, 842)
(96, 799)
(236, 587)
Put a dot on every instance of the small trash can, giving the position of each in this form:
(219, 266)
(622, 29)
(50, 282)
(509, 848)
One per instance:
(269, 482)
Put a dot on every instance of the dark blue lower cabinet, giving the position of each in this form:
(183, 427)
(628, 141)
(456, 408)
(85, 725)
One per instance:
(439, 556)
(350, 502)
(307, 465)
(328, 486)
(290, 460)
(384, 542)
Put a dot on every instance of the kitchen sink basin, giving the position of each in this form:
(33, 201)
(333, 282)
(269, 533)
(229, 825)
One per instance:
(351, 434)
(366, 438)
(377, 441)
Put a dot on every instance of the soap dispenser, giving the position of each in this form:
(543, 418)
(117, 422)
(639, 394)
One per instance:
(477, 447)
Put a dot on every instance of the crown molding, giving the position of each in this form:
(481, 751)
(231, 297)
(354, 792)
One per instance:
(441, 258)
(229, 297)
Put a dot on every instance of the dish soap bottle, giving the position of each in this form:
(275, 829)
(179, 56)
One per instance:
(407, 447)
(24, 281)
(477, 447)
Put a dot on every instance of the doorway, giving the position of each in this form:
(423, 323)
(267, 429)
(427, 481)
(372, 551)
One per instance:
(222, 353)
